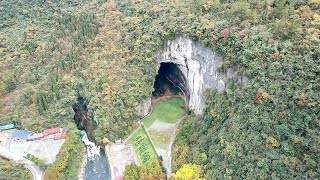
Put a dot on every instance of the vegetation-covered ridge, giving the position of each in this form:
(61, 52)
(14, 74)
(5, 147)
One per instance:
(268, 129)
(12, 171)
(68, 161)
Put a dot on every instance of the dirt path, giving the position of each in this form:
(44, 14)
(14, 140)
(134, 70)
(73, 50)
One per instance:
(34, 169)
(132, 133)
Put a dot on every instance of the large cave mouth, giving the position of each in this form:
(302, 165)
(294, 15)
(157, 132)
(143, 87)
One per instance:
(164, 84)
(82, 117)
(170, 81)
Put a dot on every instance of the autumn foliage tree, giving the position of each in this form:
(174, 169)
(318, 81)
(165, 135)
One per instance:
(152, 171)
(188, 172)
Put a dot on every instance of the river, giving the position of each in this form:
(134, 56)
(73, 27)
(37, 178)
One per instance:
(97, 167)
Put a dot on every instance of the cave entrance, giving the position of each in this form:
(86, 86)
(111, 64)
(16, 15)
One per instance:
(170, 81)
(82, 117)
(164, 84)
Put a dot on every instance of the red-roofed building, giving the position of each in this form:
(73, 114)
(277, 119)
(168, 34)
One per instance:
(48, 132)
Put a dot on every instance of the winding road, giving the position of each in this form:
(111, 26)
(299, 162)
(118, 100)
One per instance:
(34, 169)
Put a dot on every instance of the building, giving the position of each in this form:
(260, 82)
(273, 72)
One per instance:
(119, 178)
(35, 136)
(51, 131)
(20, 135)
(7, 126)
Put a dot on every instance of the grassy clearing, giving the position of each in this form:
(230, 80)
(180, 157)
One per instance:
(167, 111)
(160, 139)
(143, 147)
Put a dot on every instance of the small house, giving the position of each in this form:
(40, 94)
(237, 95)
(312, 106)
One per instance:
(20, 135)
(119, 178)
(51, 131)
(7, 126)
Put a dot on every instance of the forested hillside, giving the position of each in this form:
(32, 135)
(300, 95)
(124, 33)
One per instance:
(104, 52)
(12, 171)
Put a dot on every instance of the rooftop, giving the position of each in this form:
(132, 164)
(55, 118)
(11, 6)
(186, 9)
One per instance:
(21, 134)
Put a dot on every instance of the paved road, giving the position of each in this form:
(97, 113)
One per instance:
(34, 169)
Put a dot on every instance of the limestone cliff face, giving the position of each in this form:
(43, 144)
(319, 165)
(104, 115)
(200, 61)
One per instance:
(143, 108)
(199, 65)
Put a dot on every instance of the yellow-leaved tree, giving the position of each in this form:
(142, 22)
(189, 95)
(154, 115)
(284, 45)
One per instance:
(189, 172)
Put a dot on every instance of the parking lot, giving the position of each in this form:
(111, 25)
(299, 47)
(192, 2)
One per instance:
(45, 149)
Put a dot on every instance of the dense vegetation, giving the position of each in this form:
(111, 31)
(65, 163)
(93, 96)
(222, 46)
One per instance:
(68, 161)
(12, 171)
(187, 172)
(151, 171)
(36, 161)
(270, 128)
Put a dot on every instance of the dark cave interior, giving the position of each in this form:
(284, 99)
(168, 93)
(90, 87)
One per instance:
(170, 81)
(82, 117)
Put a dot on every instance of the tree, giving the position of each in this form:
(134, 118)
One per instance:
(42, 101)
(189, 172)
(152, 171)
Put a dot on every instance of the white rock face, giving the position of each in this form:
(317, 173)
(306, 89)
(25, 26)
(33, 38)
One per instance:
(143, 108)
(200, 66)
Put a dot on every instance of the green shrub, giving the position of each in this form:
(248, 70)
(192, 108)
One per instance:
(10, 82)
(36, 160)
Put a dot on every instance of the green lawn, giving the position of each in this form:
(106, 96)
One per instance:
(143, 147)
(165, 111)
(168, 111)
(161, 139)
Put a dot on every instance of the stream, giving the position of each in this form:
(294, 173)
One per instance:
(97, 163)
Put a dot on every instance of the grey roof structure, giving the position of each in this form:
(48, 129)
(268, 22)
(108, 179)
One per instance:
(21, 134)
